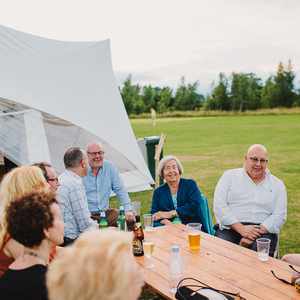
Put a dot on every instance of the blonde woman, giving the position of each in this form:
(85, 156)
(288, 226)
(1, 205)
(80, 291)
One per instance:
(15, 184)
(99, 265)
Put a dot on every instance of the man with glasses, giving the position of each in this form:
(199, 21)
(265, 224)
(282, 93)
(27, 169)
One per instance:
(250, 202)
(49, 174)
(102, 179)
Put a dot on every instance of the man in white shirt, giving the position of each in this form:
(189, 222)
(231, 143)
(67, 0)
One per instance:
(250, 202)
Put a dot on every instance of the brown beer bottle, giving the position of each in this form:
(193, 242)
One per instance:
(137, 242)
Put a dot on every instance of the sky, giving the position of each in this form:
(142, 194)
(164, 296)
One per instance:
(158, 41)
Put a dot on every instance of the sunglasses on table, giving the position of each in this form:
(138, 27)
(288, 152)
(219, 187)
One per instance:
(283, 280)
(202, 291)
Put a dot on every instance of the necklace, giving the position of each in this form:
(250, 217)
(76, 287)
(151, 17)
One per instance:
(34, 254)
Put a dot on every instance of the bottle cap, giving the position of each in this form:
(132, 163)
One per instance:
(175, 248)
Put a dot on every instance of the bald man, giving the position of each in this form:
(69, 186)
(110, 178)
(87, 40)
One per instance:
(250, 202)
(102, 179)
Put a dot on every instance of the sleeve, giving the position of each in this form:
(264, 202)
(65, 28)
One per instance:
(192, 201)
(155, 206)
(274, 222)
(221, 209)
(80, 209)
(119, 189)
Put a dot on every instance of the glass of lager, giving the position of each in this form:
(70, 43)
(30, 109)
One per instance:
(148, 250)
(193, 231)
(148, 222)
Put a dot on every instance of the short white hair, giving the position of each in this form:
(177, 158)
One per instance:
(164, 161)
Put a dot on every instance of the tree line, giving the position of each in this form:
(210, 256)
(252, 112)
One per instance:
(236, 92)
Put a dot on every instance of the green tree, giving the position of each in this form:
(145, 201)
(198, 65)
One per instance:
(187, 97)
(245, 91)
(219, 99)
(130, 94)
(279, 89)
(166, 100)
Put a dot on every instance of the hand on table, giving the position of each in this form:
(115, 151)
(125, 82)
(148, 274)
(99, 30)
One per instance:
(165, 222)
(163, 215)
(129, 216)
(246, 242)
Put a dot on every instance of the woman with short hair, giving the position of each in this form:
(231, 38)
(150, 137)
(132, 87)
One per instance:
(178, 197)
(35, 222)
(99, 265)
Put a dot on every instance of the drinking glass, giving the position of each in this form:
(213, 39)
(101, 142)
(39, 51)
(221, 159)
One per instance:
(193, 231)
(148, 251)
(136, 208)
(148, 222)
(263, 248)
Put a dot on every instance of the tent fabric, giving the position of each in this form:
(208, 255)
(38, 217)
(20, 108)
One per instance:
(73, 87)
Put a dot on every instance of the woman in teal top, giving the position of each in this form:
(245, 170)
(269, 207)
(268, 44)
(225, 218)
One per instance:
(179, 197)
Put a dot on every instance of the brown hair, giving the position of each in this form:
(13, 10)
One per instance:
(28, 216)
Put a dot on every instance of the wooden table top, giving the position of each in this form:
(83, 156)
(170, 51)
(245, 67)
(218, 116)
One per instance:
(220, 264)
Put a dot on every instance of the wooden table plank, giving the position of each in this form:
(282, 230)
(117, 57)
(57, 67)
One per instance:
(220, 264)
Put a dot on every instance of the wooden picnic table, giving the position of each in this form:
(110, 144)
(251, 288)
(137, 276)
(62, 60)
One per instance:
(219, 263)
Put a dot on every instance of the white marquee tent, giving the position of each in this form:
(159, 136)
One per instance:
(58, 94)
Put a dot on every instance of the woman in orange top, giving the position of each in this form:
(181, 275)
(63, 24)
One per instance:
(17, 183)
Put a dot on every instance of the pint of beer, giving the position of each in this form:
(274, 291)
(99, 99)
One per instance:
(193, 231)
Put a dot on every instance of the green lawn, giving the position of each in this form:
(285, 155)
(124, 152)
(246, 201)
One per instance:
(208, 146)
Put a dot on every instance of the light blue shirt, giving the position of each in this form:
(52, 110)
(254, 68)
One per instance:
(174, 198)
(99, 188)
(73, 204)
(238, 199)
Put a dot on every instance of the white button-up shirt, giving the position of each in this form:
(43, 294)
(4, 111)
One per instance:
(238, 199)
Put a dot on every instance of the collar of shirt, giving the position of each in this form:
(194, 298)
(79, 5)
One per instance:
(74, 175)
(264, 181)
(90, 171)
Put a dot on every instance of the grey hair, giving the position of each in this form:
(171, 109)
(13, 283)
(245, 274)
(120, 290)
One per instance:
(73, 156)
(163, 163)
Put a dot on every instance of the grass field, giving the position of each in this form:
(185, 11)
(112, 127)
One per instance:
(208, 146)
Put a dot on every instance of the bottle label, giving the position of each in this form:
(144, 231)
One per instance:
(137, 247)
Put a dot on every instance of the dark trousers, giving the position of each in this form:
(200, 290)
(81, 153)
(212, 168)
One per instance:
(67, 241)
(234, 237)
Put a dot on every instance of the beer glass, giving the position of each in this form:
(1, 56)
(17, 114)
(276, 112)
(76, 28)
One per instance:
(193, 232)
(263, 248)
(148, 223)
(148, 251)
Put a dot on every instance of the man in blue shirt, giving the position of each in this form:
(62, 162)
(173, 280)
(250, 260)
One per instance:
(103, 178)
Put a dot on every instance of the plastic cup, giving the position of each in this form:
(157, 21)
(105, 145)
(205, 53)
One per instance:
(148, 222)
(263, 248)
(136, 207)
(193, 232)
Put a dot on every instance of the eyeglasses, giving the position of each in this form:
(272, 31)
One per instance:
(96, 153)
(53, 179)
(184, 291)
(256, 160)
(283, 280)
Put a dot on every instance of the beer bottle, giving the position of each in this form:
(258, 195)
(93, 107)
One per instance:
(121, 219)
(137, 242)
(103, 221)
